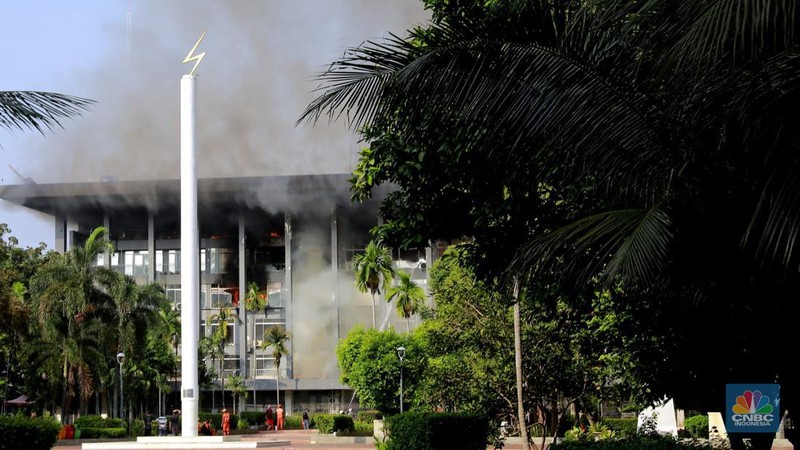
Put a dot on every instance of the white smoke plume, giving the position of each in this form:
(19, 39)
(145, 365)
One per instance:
(255, 80)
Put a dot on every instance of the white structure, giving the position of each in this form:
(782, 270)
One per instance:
(664, 415)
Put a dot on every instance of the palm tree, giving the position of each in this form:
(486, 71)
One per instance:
(373, 269)
(137, 311)
(170, 327)
(38, 110)
(238, 389)
(219, 337)
(408, 297)
(664, 127)
(255, 300)
(277, 338)
(66, 293)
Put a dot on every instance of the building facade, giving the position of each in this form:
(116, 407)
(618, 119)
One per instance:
(293, 236)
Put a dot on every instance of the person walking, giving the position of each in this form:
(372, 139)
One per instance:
(306, 422)
(279, 413)
(226, 422)
(175, 422)
(269, 417)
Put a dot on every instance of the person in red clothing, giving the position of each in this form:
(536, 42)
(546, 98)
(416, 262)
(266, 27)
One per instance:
(269, 417)
(279, 412)
(226, 422)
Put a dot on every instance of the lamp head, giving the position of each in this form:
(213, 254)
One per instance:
(422, 264)
(401, 352)
(120, 357)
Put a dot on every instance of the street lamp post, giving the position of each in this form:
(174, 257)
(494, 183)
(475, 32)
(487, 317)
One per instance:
(401, 352)
(120, 360)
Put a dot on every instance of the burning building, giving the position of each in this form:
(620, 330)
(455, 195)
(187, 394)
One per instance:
(294, 236)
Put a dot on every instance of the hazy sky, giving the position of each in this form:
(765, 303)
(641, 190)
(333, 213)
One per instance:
(253, 84)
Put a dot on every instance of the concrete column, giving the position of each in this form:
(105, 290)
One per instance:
(107, 226)
(243, 313)
(151, 247)
(287, 288)
(60, 242)
(335, 267)
(190, 262)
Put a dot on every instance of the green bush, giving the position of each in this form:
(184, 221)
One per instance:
(103, 433)
(426, 431)
(621, 427)
(328, 423)
(39, 433)
(253, 417)
(697, 426)
(98, 422)
(137, 427)
(368, 415)
(638, 442)
(367, 428)
(294, 422)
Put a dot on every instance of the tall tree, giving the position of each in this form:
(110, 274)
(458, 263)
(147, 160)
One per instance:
(239, 391)
(663, 128)
(66, 293)
(277, 338)
(408, 297)
(369, 363)
(220, 323)
(373, 270)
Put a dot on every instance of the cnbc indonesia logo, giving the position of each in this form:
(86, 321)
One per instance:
(752, 409)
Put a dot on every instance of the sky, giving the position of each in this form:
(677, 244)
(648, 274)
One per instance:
(253, 84)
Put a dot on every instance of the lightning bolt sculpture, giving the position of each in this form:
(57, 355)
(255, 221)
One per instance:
(192, 57)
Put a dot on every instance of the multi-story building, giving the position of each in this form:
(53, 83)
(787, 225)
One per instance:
(293, 236)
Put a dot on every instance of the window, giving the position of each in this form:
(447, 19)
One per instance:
(265, 323)
(265, 367)
(220, 298)
(168, 261)
(173, 292)
(135, 263)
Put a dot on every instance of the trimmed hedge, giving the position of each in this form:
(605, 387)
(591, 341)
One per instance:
(329, 423)
(426, 431)
(253, 417)
(98, 422)
(622, 428)
(103, 433)
(369, 415)
(39, 433)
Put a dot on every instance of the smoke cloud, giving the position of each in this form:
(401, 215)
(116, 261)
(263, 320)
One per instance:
(254, 82)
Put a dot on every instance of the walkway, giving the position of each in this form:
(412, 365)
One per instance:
(299, 440)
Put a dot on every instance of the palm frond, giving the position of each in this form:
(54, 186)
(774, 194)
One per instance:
(543, 101)
(20, 110)
(631, 244)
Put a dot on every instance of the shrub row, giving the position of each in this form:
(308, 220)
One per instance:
(36, 433)
(84, 422)
(622, 428)
(329, 423)
(102, 433)
(426, 431)
(637, 442)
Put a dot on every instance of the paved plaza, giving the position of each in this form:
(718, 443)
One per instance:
(298, 440)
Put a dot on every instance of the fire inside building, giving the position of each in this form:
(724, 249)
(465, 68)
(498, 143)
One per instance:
(294, 236)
